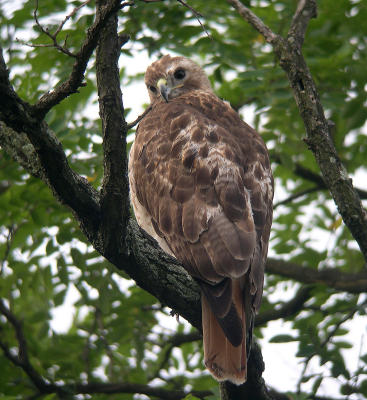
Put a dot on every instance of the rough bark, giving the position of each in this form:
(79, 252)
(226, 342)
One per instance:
(288, 51)
(114, 199)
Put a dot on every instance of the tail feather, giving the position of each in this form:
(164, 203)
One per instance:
(223, 360)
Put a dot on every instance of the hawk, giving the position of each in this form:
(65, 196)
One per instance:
(201, 185)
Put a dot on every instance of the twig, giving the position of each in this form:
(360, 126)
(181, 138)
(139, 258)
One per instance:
(75, 10)
(22, 359)
(160, 393)
(197, 16)
(287, 309)
(101, 329)
(305, 173)
(296, 196)
(323, 343)
(75, 80)
(53, 37)
(170, 343)
(132, 124)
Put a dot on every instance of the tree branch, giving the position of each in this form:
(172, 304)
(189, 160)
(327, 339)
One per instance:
(306, 10)
(289, 54)
(20, 149)
(164, 394)
(253, 20)
(70, 188)
(296, 196)
(115, 188)
(53, 36)
(21, 359)
(75, 80)
(323, 343)
(135, 122)
(43, 386)
(332, 277)
(305, 173)
(254, 387)
(287, 309)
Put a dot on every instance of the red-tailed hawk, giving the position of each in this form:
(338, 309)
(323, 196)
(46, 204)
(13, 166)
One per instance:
(201, 185)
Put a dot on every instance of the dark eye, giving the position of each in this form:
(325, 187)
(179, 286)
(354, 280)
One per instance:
(179, 74)
(153, 89)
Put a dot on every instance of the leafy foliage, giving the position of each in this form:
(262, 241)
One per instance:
(115, 331)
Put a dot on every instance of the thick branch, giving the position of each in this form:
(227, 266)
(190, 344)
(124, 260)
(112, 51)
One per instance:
(156, 392)
(161, 275)
(332, 277)
(115, 188)
(69, 187)
(333, 171)
(288, 52)
(18, 146)
(75, 80)
(254, 387)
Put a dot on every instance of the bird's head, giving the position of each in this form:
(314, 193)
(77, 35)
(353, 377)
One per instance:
(170, 77)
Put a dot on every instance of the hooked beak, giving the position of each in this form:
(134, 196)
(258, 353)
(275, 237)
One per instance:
(163, 88)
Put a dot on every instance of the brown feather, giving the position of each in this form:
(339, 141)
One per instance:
(225, 361)
(201, 185)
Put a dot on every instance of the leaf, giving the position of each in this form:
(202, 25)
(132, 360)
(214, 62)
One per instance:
(78, 257)
(316, 384)
(284, 338)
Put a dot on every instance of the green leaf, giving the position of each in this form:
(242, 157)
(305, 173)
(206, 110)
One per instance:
(316, 384)
(284, 338)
